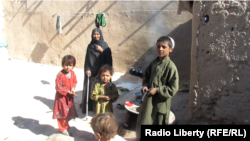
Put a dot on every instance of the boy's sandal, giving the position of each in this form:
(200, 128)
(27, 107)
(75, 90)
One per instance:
(120, 106)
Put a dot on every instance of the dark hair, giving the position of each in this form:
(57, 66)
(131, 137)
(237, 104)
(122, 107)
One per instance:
(104, 124)
(68, 59)
(105, 68)
(165, 39)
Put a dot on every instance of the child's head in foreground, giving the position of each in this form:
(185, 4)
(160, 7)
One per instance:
(105, 73)
(104, 126)
(68, 62)
(164, 45)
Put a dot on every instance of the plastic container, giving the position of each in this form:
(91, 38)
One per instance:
(129, 103)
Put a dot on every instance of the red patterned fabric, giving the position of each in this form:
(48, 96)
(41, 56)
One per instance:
(64, 107)
(63, 124)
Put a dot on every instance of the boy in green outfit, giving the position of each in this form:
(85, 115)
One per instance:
(161, 82)
(105, 92)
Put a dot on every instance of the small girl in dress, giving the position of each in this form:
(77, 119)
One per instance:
(64, 107)
(105, 92)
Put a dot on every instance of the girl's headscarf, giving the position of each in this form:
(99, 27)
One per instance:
(93, 39)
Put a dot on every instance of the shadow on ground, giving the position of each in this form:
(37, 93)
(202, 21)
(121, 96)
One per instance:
(47, 102)
(77, 100)
(45, 82)
(47, 130)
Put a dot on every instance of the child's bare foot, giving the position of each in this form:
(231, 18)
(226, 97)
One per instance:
(65, 132)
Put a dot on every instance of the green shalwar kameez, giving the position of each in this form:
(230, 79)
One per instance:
(163, 76)
(102, 105)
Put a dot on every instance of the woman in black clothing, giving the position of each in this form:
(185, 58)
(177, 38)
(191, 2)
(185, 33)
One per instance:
(98, 54)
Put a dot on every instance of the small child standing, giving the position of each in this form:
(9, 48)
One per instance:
(105, 127)
(64, 107)
(105, 92)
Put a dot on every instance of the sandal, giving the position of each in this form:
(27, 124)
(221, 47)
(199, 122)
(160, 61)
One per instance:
(139, 72)
(120, 106)
(132, 71)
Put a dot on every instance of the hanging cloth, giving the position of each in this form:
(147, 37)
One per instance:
(100, 20)
(59, 24)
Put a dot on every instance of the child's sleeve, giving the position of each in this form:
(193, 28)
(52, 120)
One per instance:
(115, 94)
(60, 88)
(95, 94)
(146, 76)
(171, 87)
(74, 80)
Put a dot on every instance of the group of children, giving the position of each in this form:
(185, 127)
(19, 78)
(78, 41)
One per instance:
(104, 93)
(160, 80)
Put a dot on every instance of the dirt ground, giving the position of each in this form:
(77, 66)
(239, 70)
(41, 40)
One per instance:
(28, 91)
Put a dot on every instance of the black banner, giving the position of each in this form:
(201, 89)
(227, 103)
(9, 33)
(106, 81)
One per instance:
(195, 131)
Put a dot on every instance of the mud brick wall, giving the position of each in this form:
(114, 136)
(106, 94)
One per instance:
(131, 31)
(220, 66)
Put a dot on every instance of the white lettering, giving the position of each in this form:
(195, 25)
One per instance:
(159, 133)
(168, 133)
(239, 133)
(212, 132)
(201, 133)
(148, 131)
(225, 132)
(234, 132)
(182, 132)
(154, 133)
(218, 132)
(175, 134)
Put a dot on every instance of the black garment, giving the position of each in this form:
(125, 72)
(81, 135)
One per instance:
(91, 103)
(96, 23)
(93, 62)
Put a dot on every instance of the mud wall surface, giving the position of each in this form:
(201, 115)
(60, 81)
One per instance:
(131, 31)
(220, 62)
(1, 22)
